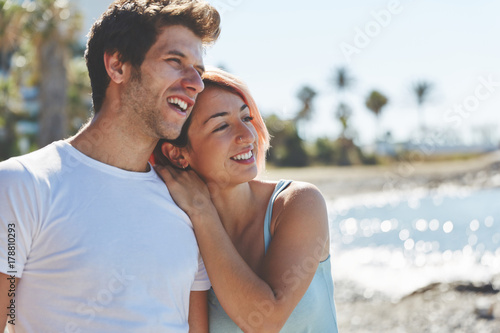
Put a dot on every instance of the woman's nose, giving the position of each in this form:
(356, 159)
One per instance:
(245, 135)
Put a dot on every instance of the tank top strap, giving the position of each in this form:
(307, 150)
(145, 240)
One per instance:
(282, 184)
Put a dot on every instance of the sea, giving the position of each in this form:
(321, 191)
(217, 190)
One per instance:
(397, 242)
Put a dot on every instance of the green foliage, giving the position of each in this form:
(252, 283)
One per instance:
(326, 152)
(9, 111)
(375, 102)
(287, 148)
(26, 28)
(371, 159)
(79, 95)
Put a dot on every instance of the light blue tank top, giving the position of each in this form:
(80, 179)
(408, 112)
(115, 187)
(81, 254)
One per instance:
(314, 313)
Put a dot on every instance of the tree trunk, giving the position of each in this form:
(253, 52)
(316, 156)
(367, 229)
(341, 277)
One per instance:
(53, 91)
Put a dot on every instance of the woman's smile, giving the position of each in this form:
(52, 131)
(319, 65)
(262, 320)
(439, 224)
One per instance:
(245, 157)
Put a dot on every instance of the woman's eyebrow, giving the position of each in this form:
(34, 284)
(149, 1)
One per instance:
(222, 114)
(215, 115)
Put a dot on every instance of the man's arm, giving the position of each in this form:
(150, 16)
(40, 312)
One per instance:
(7, 292)
(198, 312)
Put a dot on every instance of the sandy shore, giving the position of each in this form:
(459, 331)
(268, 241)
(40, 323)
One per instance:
(334, 182)
(457, 307)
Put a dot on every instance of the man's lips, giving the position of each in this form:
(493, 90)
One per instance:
(181, 103)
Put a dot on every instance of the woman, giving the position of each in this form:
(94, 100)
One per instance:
(265, 244)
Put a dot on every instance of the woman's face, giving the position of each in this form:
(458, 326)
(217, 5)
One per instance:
(222, 140)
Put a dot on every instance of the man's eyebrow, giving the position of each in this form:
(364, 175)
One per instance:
(178, 53)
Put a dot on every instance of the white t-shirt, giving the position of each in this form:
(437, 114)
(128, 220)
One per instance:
(97, 248)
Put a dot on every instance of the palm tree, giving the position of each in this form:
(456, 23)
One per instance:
(422, 90)
(341, 79)
(306, 96)
(343, 114)
(375, 102)
(11, 25)
(53, 25)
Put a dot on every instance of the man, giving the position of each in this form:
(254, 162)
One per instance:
(92, 238)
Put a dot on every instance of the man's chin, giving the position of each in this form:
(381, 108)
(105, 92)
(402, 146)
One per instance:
(172, 137)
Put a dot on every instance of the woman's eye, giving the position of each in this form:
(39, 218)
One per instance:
(247, 119)
(220, 128)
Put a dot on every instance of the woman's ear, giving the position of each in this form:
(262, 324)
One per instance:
(174, 155)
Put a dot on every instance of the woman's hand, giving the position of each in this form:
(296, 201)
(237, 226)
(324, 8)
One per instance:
(187, 189)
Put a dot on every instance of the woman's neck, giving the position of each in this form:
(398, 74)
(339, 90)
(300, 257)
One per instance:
(236, 205)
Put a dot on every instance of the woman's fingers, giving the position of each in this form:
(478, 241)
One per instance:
(168, 173)
(186, 188)
(162, 171)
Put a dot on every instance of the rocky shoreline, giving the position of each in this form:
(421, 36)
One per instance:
(458, 307)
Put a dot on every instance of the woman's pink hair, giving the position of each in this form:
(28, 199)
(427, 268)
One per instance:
(216, 77)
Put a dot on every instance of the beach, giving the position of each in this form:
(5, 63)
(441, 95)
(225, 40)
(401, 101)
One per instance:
(459, 294)
(335, 181)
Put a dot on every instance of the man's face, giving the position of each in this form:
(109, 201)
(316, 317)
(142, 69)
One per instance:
(161, 95)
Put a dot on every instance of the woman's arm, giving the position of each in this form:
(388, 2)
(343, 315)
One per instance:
(7, 291)
(256, 303)
(198, 312)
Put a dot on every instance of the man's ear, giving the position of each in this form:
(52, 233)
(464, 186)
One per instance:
(174, 155)
(116, 69)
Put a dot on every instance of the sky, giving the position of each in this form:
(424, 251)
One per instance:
(278, 46)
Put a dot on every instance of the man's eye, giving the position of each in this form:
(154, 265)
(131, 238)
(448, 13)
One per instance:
(176, 60)
(220, 128)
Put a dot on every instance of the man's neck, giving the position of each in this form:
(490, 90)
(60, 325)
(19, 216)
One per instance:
(108, 140)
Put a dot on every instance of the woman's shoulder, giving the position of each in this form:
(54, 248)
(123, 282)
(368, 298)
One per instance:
(299, 193)
(296, 196)
(298, 210)
(294, 188)
(300, 200)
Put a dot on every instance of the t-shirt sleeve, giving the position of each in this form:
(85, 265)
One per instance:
(201, 281)
(18, 216)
